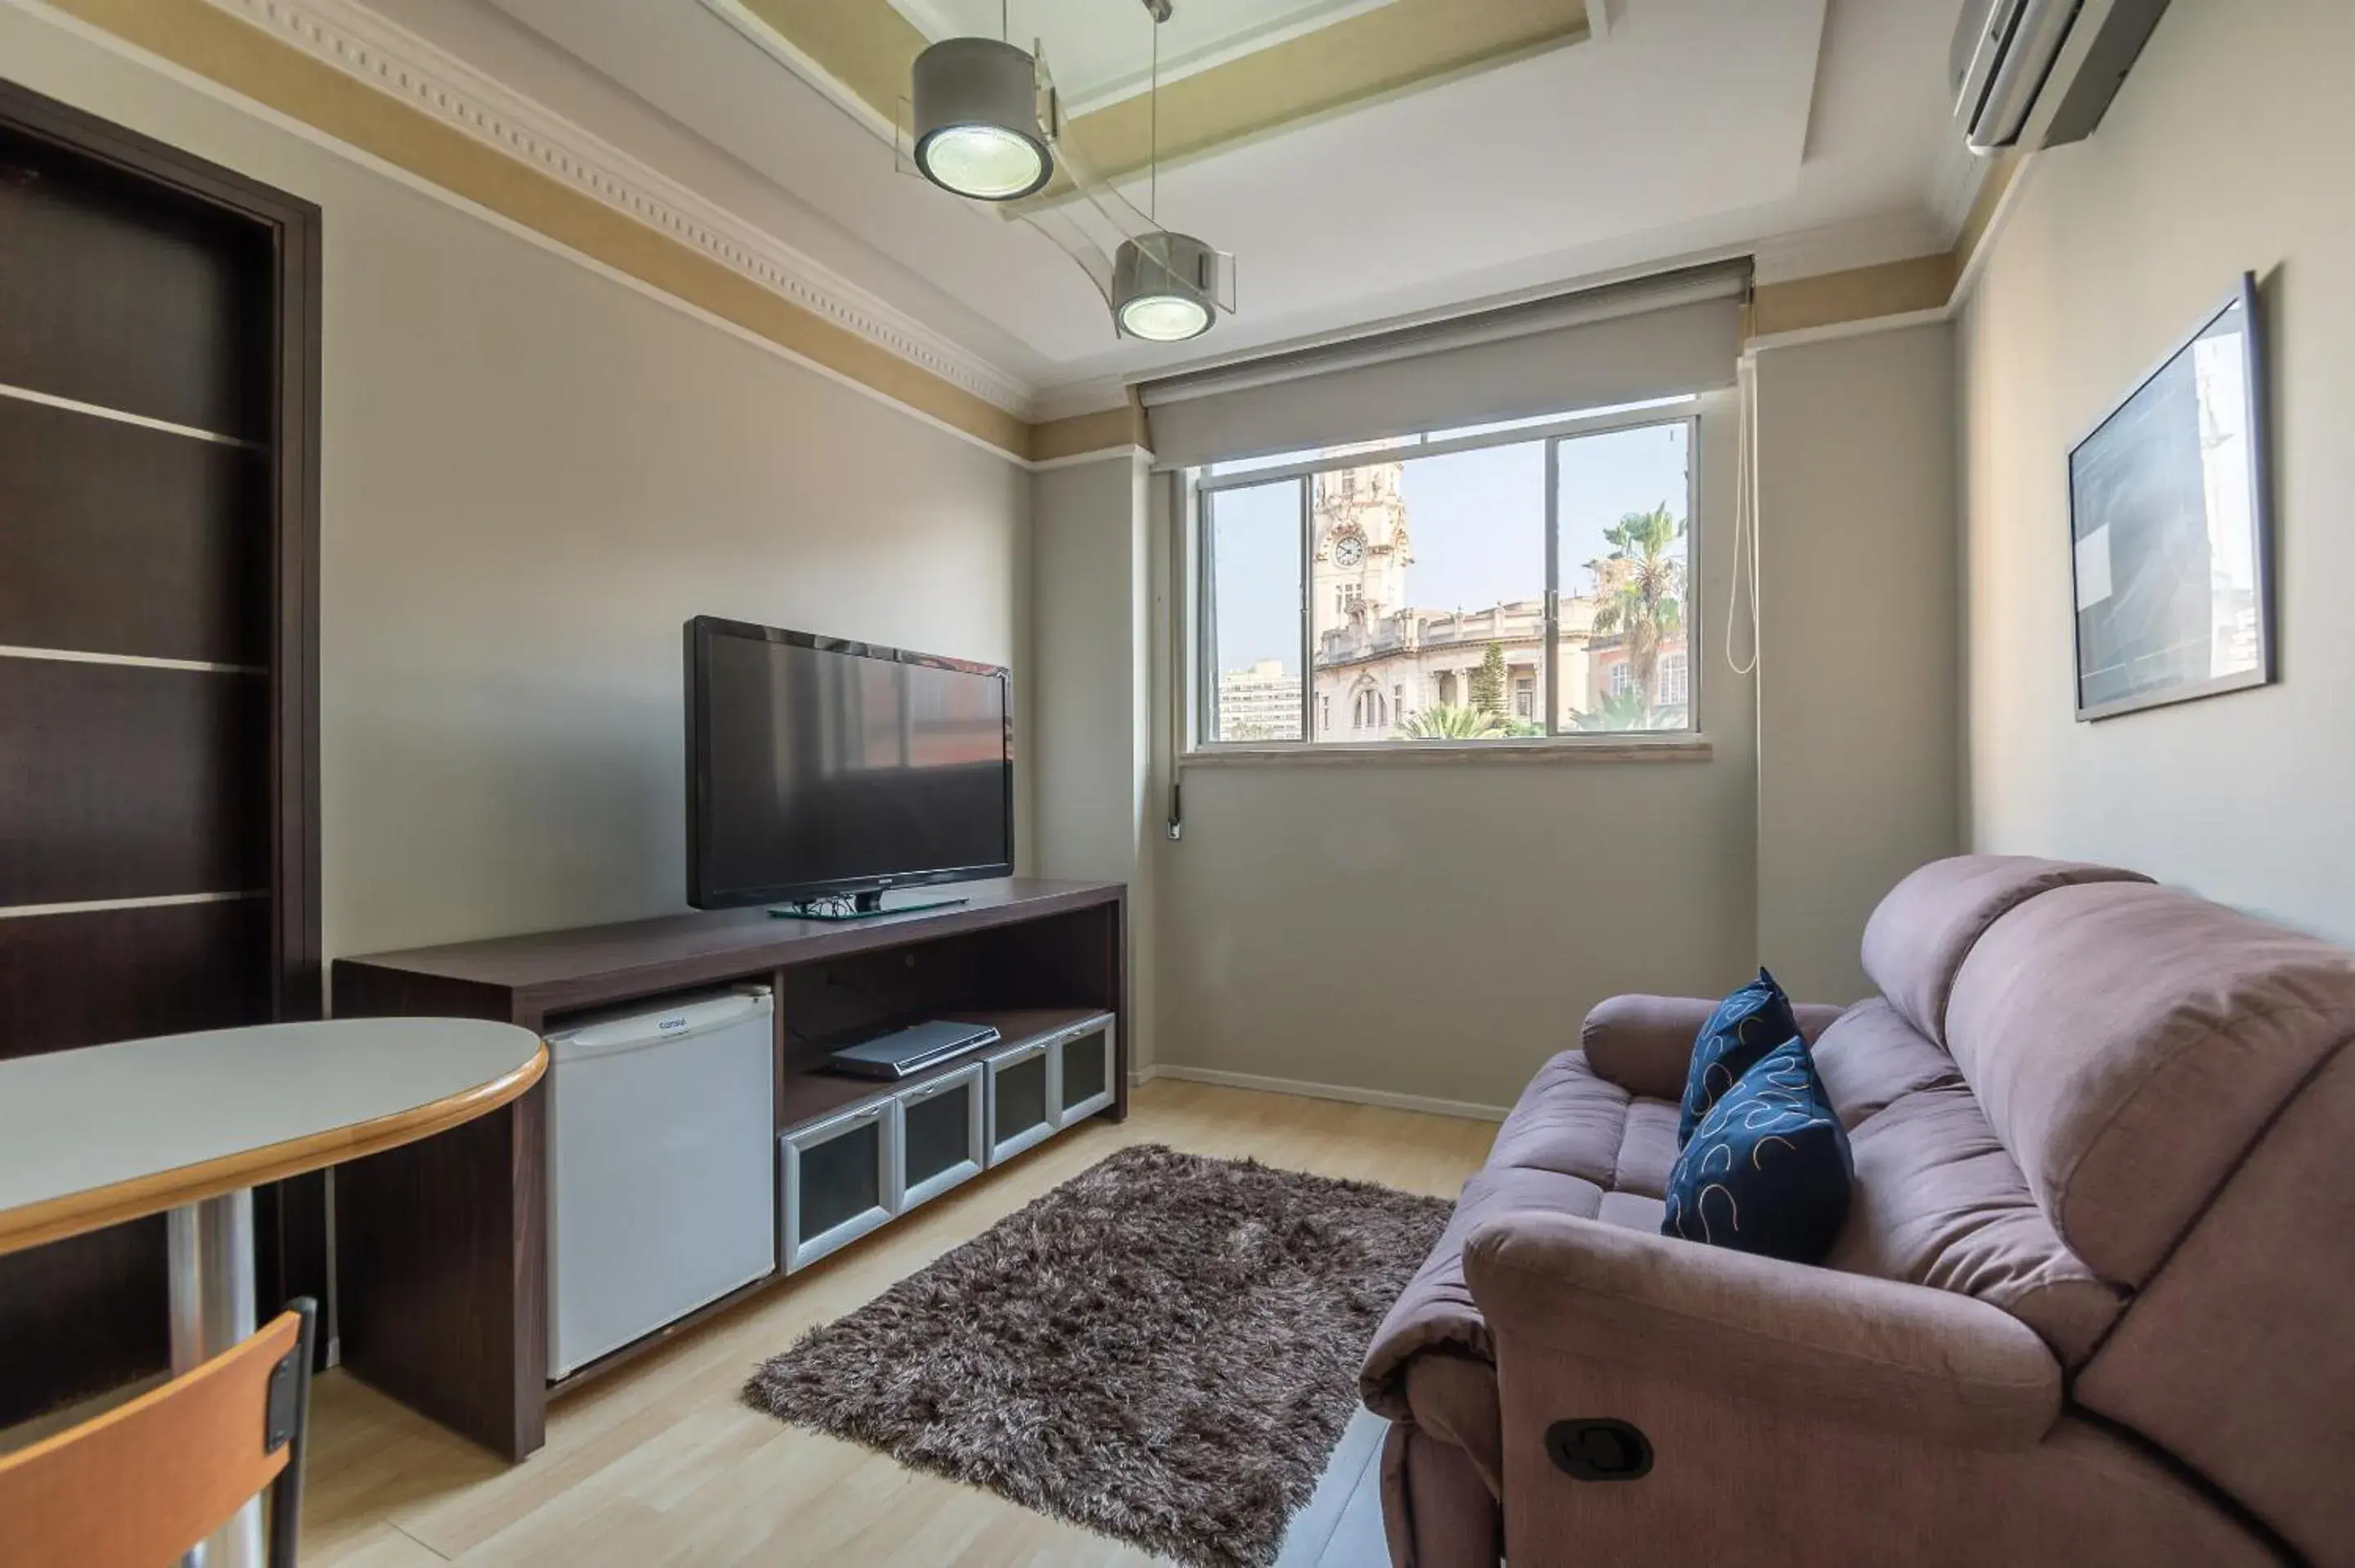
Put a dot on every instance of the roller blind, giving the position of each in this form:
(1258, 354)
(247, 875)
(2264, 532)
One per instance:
(1652, 338)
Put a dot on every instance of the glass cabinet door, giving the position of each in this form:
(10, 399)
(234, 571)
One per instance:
(1085, 1064)
(943, 1134)
(840, 1178)
(1022, 1092)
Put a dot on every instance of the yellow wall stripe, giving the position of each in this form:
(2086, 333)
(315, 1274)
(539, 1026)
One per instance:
(1862, 293)
(1108, 431)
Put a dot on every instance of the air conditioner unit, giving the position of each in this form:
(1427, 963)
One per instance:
(2040, 73)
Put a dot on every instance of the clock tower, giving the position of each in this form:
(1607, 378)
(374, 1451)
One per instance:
(1357, 567)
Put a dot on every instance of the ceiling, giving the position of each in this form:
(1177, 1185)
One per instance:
(1367, 161)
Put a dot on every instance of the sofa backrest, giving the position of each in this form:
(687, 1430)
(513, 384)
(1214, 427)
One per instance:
(2129, 1044)
(2175, 1084)
(1920, 934)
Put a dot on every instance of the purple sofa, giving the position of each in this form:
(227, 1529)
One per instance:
(2095, 1302)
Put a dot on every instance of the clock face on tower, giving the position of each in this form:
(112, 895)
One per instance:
(1349, 549)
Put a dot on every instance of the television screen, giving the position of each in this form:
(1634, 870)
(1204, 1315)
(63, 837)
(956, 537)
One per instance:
(818, 768)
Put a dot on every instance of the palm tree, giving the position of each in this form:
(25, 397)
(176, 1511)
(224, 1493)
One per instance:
(1643, 594)
(1447, 721)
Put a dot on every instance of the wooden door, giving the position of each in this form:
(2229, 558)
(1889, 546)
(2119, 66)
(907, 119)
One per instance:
(157, 773)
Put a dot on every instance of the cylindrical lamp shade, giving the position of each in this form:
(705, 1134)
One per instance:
(976, 114)
(1161, 287)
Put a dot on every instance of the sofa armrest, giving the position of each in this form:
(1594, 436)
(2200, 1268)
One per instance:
(1908, 1359)
(1644, 1043)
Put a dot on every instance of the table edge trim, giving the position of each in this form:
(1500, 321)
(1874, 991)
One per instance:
(95, 1208)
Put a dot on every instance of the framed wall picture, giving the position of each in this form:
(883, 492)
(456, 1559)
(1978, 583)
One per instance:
(2169, 516)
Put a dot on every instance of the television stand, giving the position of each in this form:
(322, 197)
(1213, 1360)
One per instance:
(442, 1244)
(855, 906)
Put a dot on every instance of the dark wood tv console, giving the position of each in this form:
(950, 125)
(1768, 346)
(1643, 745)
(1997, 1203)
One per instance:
(441, 1245)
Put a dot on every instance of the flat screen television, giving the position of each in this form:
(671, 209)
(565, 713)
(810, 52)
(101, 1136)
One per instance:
(823, 771)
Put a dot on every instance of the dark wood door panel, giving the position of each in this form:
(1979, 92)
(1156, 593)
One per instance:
(124, 974)
(131, 782)
(115, 538)
(82, 1315)
(125, 294)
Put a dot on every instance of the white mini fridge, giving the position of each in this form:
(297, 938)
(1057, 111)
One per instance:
(661, 1177)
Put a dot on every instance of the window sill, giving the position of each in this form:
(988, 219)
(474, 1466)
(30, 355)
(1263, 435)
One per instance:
(1672, 749)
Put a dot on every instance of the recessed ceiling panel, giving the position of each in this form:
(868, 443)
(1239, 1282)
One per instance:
(1252, 70)
(1510, 164)
(1102, 49)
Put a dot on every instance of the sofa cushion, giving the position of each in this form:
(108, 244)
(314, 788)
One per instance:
(1570, 1119)
(1742, 1029)
(1435, 1311)
(1647, 1150)
(1921, 932)
(1767, 1171)
(1561, 1150)
(1872, 1056)
(2129, 1043)
(1633, 1212)
(1938, 1201)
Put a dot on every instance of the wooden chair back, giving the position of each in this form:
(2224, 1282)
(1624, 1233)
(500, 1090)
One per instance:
(139, 1485)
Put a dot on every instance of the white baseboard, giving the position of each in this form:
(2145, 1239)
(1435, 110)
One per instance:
(1464, 1110)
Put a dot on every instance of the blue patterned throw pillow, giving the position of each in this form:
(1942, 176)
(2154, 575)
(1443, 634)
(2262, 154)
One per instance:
(1745, 1026)
(1768, 1170)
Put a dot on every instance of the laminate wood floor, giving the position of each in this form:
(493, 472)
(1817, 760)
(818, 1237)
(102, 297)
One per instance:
(660, 1463)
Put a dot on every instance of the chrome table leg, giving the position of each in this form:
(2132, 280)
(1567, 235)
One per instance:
(211, 1268)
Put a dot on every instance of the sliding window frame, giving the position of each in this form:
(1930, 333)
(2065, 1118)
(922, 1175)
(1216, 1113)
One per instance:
(1201, 487)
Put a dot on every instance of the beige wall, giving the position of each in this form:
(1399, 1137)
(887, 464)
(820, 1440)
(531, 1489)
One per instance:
(1091, 642)
(1858, 762)
(1435, 929)
(2228, 150)
(533, 474)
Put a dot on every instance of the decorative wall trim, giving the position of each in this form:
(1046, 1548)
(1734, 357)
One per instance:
(1893, 288)
(396, 61)
(1832, 332)
(1082, 434)
(1102, 455)
(1845, 247)
(1464, 1110)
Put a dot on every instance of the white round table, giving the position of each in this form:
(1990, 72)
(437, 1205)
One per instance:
(186, 1125)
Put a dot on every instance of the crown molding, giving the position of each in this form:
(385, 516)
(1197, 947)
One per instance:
(428, 78)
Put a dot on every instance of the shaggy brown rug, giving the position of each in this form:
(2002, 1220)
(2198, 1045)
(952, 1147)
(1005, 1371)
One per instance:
(1164, 1349)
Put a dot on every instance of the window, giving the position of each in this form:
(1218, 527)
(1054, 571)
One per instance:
(1676, 679)
(1250, 627)
(1523, 580)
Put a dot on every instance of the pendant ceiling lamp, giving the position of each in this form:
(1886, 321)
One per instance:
(1161, 287)
(1162, 283)
(976, 104)
(984, 120)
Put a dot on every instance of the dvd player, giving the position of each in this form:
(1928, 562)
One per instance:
(914, 1049)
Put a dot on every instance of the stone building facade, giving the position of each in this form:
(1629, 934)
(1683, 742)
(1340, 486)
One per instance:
(1379, 660)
